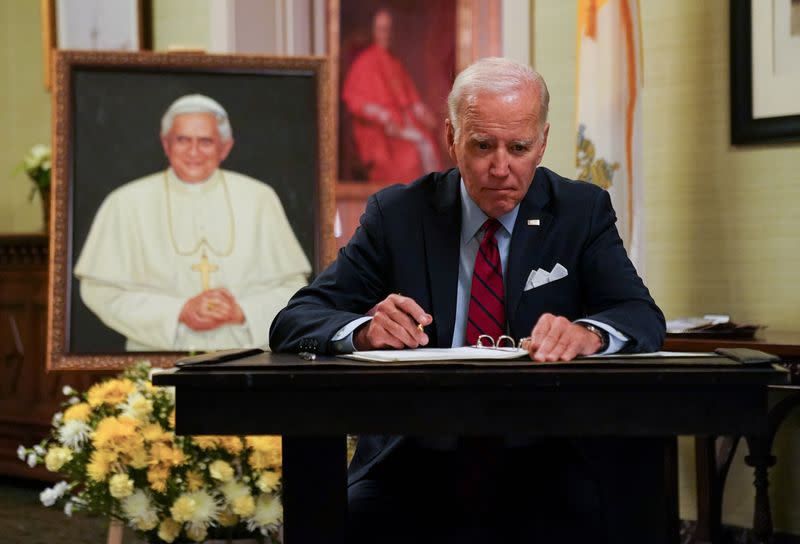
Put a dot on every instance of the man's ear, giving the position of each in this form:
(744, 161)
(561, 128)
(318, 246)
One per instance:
(545, 134)
(450, 138)
(226, 149)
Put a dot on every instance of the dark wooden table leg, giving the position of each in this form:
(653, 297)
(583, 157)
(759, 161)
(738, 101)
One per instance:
(761, 458)
(314, 489)
(713, 457)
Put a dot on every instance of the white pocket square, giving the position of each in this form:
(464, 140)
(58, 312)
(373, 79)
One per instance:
(540, 277)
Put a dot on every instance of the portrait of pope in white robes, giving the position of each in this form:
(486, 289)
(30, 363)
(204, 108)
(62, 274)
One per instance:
(193, 257)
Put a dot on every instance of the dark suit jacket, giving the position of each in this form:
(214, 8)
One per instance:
(408, 243)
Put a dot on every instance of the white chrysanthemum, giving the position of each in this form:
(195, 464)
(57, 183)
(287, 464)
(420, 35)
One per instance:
(68, 509)
(206, 508)
(67, 390)
(73, 400)
(32, 459)
(268, 514)
(40, 451)
(58, 417)
(136, 406)
(139, 509)
(169, 392)
(50, 495)
(22, 453)
(234, 490)
(74, 433)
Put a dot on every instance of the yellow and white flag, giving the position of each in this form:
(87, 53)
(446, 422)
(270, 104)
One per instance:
(609, 108)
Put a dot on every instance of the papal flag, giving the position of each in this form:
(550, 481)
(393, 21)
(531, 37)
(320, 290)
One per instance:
(608, 112)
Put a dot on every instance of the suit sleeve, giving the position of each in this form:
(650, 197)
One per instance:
(612, 290)
(345, 291)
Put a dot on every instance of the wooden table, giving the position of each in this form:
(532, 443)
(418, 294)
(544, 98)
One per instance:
(714, 454)
(315, 404)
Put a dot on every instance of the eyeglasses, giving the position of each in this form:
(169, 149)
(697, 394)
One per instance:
(503, 342)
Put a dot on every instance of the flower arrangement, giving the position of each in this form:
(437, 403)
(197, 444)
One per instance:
(37, 165)
(116, 446)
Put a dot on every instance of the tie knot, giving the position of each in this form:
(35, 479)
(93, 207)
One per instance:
(490, 228)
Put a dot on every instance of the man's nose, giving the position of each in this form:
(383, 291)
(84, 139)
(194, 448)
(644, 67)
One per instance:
(499, 164)
(194, 147)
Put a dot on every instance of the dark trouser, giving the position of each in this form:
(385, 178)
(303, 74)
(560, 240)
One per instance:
(557, 490)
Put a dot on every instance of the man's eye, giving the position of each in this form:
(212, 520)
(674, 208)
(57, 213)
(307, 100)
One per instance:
(519, 148)
(483, 146)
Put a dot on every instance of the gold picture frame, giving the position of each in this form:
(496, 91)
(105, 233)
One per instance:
(106, 112)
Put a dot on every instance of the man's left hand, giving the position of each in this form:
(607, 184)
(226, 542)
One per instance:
(556, 338)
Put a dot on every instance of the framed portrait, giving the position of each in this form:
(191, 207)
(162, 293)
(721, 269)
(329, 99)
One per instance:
(176, 176)
(393, 64)
(110, 25)
(765, 71)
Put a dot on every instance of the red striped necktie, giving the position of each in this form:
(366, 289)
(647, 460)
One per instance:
(487, 314)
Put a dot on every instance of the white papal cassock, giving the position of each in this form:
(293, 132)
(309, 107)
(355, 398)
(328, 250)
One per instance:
(141, 260)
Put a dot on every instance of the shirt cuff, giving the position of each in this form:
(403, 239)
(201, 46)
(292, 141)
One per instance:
(616, 340)
(343, 339)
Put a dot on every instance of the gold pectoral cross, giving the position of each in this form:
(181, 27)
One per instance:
(205, 268)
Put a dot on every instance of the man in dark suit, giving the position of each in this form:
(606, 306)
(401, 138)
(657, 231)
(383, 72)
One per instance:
(497, 245)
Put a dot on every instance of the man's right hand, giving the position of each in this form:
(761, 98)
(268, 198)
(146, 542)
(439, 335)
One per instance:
(208, 310)
(394, 325)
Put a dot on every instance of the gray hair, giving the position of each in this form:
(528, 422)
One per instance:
(494, 75)
(197, 103)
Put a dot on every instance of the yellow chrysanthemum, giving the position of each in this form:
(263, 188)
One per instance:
(232, 444)
(197, 532)
(268, 481)
(244, 506)
(220, 470)
(154, 433)
(168, 530)
(194, 480)
(166, 454)
(138, 458)
(206, 442)
(263, 460)
(111, 392)
(171, 419)
(120, 486)
(118, 434)
(57, 458)
(228, 518)
(183, 508)
(100, 464)
(78, 412)
(264, 443)
(157, 477)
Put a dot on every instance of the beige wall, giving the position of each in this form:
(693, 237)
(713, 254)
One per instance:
(723, 228)
(24, 111)
(181, 24)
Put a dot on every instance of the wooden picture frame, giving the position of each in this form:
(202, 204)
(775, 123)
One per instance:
(135, 18)
(107, 108)
(435, 40)
(754, 83)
